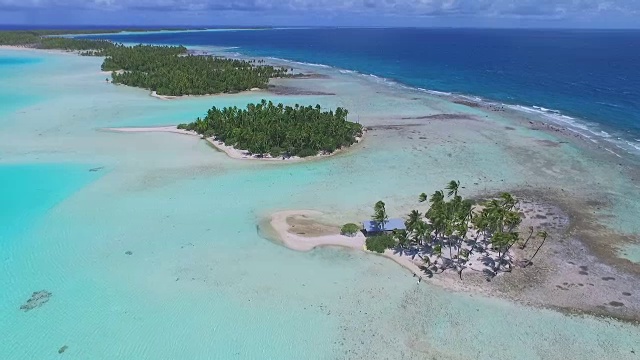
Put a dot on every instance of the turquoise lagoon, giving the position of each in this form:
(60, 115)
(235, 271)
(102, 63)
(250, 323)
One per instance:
(201, 282)
(14, 97)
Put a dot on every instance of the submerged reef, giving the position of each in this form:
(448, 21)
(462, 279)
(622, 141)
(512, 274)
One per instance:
(38, 298)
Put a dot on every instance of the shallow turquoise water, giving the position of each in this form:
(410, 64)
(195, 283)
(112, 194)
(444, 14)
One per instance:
(29, 191)
(200, 282)
(13, 97)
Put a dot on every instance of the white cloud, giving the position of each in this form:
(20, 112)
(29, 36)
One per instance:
(503, 8)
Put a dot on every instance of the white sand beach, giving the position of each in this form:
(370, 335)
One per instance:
(231, 151)
(171, 97)
(169, 129)
(292, 224)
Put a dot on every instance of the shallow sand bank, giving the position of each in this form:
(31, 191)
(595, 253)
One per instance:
(231, 151)
(169, 129)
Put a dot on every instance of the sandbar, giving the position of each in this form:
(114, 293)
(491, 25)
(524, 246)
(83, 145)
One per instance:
(229, 150)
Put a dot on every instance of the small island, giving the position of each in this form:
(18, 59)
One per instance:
(453, 235)
(172, 71)
(169, 71)
(266, 130)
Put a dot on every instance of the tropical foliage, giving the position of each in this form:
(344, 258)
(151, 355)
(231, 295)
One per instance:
(84, 46)
(380, 243)
(454, 228)
(349, 229)
(169, 70)
(278, 130)
(380, 215)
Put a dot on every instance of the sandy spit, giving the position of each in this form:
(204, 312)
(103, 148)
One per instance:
(231, 151)
(280, 225)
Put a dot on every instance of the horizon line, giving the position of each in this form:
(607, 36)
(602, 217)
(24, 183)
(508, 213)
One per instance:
(4, 27)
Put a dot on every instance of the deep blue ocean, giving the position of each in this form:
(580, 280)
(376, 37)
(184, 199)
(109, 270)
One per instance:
(593, 75)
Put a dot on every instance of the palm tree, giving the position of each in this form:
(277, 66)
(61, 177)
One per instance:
(502, 241)
(543, 234)
(380, 215)
(422, 197)
(403, 238)
(528, 238)
(422, 231)
(414, 217)
(508, 201)
(511, 220)
(437, 197)
(453, 187)
(437, 251)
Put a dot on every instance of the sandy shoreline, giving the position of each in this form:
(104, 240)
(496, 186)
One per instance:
(166, 129)
(230, 151)
(284, 225)
(280, 224)
(558, 279)
(154, 94)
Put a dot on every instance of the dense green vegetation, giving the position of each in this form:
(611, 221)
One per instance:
(349, 229)
(92, 47)
(167, 70)
(19, 38)
(456, 226)
(279, 130)
(380, 243)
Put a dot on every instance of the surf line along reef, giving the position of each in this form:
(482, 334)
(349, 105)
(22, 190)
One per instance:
(262, 131)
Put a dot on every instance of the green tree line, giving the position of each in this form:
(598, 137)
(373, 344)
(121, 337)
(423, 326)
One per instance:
(279, 130)
(170, 70)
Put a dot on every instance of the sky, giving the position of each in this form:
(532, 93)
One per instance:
(418, 13)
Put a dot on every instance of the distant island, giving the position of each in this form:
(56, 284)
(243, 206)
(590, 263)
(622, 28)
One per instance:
(164, 70)
(266, 129)
(261, 131)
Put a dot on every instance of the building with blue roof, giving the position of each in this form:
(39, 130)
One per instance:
(372, 227)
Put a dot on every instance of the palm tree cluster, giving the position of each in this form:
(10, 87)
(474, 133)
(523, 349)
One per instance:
(19, 38)
(454, 226)
(169, 70)
(278, 130)
(90, 47)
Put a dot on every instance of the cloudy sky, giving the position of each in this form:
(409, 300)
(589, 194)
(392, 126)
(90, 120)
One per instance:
(456, 13)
